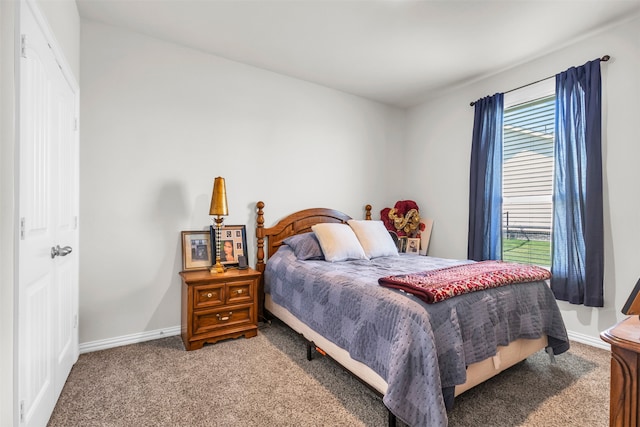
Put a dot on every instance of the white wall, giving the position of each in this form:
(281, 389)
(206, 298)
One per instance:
(159, 122)
(64, 22)
(439, 137)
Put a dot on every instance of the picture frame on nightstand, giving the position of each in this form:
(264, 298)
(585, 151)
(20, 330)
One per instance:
(196, 250)
(233, 244)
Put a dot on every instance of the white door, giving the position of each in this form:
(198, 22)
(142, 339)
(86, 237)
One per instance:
(47, 304)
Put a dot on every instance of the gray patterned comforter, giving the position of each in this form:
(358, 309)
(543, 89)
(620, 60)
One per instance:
(418, 348)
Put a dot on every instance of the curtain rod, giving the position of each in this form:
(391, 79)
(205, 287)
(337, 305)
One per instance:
(603, 59)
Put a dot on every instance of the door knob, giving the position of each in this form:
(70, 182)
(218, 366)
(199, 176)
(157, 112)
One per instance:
(58, 251)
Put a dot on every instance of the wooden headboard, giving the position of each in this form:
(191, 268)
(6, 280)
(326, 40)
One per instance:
(296, 223)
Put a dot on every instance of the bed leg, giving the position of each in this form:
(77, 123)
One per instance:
(311, 347)
(309, 350)
(552, 357)
(392, 419)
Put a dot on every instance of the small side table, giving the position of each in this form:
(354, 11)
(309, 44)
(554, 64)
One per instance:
(624, 338)
(218, 306)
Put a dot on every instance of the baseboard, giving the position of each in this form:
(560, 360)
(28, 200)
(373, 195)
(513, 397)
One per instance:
(588, 340)
(88, 347)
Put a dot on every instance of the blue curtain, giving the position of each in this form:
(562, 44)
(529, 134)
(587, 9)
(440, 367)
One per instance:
(578, 237)
(485, 192)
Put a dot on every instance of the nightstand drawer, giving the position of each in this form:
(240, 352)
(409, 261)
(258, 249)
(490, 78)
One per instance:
(228, 317)
(239, 292)
(208, 295)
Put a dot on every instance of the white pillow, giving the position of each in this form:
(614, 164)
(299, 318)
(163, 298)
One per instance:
(374, 238)
(338, 242)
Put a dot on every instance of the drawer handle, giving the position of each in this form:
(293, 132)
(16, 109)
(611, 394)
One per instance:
(224, 318)
(209, 295)
(239, 291)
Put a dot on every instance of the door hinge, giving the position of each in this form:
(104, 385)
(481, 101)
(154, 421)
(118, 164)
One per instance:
(22, 411)
(75, 321)
(75, 124)
(22, 228)
(23, 45)
(75, 222)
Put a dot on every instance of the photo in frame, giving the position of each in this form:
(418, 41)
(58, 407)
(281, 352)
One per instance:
(402, 244)
(413, 245)
(233, 244)
(196, 250)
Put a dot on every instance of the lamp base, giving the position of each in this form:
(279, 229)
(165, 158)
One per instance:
(217, 268)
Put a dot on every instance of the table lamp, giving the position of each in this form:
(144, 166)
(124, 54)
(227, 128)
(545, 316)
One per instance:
(218, 208)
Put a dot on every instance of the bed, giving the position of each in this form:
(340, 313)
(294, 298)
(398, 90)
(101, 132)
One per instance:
(417, 356)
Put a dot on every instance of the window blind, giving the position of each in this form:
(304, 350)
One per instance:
(528, 181)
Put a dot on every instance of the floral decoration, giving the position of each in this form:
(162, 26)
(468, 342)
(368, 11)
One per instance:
(403, 219)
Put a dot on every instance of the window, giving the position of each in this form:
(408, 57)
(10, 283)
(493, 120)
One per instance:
(576, 235)
(527, 174)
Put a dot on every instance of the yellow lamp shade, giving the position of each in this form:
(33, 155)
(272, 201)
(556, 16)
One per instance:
(219, 198)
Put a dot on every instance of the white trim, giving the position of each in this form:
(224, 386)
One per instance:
(105, 344)
(90, 346)
(588, 340)
(541, 89)
(53, 44)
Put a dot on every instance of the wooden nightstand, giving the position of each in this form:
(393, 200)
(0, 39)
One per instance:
(624, 338)
(218, 306)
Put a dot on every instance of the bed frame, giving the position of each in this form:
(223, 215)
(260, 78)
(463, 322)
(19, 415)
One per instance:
(301, 222)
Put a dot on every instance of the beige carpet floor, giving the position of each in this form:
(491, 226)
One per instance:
(267, 381)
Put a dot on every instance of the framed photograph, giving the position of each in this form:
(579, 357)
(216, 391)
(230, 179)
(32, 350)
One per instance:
(402, 244)
(196, 250)
(233, 244)
(413, 246)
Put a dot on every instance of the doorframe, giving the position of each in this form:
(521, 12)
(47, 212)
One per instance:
(8, 213)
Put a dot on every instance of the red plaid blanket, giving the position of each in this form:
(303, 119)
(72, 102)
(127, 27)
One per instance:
(437, 285)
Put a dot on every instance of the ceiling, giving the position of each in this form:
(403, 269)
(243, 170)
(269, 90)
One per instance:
(392, 51)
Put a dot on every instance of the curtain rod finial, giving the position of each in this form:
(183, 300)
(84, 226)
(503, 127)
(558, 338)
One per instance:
(605, 58)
